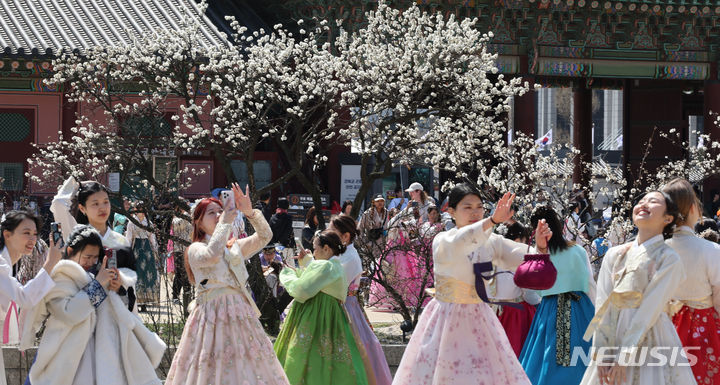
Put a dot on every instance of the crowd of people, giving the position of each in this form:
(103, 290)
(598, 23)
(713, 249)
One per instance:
(482, 324)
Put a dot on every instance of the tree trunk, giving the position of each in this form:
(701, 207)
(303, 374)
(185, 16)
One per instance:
(380, 170)
(224, 161)
(315, 192)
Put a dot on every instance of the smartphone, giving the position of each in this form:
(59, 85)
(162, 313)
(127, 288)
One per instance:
(228, 199)
(56, 234)
(111, 256)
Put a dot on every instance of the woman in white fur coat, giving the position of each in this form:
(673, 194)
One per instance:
(99, 339)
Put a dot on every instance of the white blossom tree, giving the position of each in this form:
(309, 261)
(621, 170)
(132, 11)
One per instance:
(424, 89)
(276, 87)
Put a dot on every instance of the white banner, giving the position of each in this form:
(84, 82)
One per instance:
(114, 181)
(350, 182)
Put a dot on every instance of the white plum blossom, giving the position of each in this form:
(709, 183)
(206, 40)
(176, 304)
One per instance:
(421, 90)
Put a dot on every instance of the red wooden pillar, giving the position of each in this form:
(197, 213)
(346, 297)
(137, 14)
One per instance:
(712, 108)
(711, 93)
(582, 133)
(525, 110)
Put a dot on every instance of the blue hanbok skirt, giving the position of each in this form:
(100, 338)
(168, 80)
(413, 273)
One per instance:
(539, 355)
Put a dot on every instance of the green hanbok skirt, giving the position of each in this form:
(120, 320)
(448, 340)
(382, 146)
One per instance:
(316, 345)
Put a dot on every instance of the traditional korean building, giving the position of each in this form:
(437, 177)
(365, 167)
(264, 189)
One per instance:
(33, 32)
(611, 72)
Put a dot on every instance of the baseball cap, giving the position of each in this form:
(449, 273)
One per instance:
(414, 186)
(378, 197)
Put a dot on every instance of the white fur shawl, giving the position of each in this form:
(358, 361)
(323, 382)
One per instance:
(126, 352)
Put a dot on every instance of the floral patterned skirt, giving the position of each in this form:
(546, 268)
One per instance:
(460, 344)
(147, 287)
(316, 345)
(700, 328)
(224, 343)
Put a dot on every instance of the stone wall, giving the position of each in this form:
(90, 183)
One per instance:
(17, 364)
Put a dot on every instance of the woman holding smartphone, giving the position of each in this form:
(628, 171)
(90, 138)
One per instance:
(223, 341)
(18, 236)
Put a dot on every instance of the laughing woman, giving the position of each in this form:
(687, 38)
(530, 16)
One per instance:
(635, 283)
(18, 235)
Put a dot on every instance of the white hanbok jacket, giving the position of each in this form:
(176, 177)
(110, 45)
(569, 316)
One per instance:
(25, 297)
(701, 259)
(125, 351)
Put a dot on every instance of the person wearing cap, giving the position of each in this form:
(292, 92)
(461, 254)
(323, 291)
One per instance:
(418, 206)
(269, 255)
(271, 262)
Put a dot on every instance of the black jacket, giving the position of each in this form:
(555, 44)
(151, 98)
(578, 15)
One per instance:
(281, 226)
(308, 232)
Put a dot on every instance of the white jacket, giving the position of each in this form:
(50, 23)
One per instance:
(126, 352)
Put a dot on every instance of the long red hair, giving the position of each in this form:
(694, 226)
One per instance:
(198, 235)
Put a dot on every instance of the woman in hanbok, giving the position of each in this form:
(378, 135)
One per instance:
(18, 236)
(564, 313)
(346, 227)
(635, 284)
(407, 260)
(144, 247)
(90, 336)
(120, 221)
(458, 338)
(697, 301)
(93, 205)
(316, 344)
(223, 341)
(515, 321)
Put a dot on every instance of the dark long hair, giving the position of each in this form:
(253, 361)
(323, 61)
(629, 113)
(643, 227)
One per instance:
(557, 242)
(332, 240)
(86, 190)
(13, 219)
(345, 224)
(459, 192)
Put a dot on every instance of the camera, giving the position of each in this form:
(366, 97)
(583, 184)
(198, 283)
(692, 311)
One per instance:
(56, 234)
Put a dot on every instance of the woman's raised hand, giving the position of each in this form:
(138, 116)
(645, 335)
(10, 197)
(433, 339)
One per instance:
(503, 209)
(542, 235)
(242, 199)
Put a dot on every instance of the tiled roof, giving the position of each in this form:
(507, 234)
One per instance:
(45, 27)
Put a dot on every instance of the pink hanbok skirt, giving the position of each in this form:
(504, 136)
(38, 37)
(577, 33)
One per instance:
(224, 343)
(459, 344)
